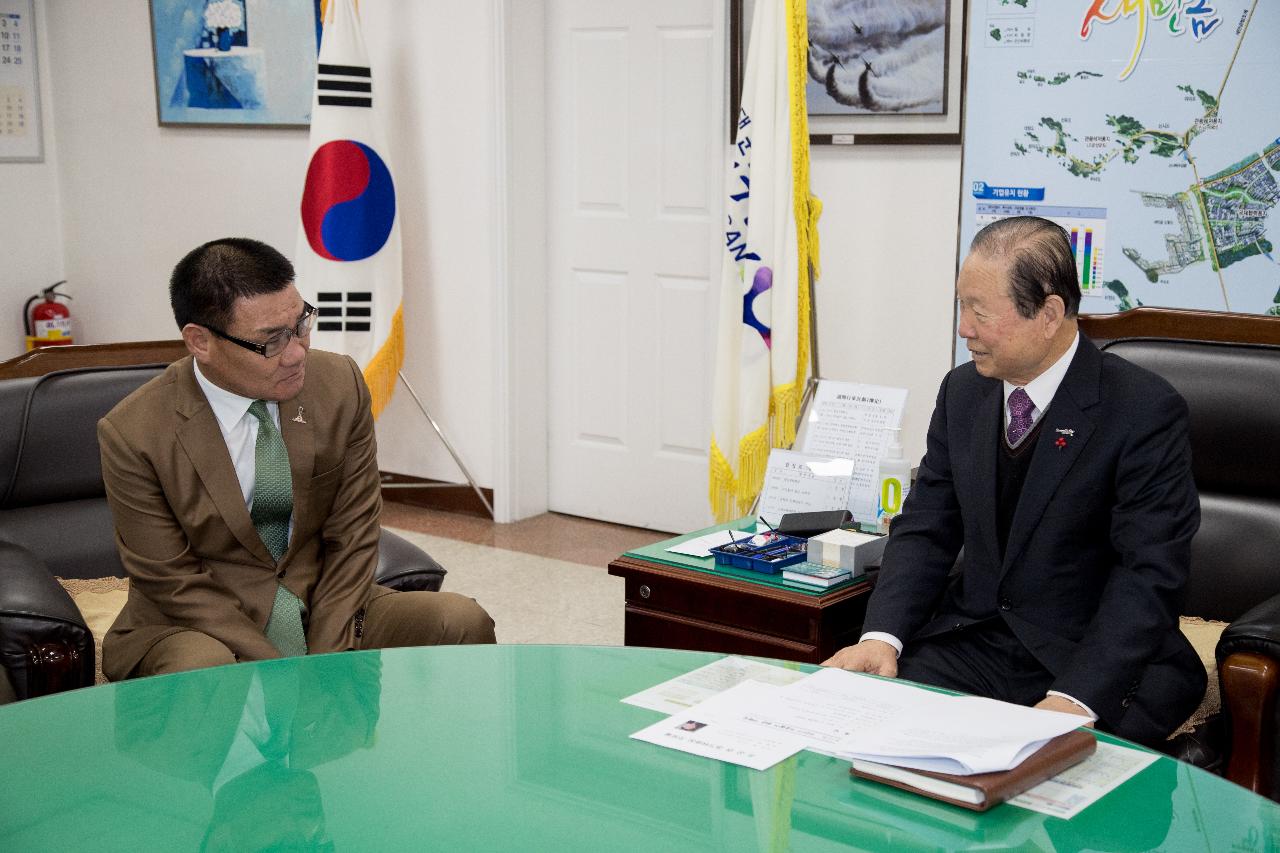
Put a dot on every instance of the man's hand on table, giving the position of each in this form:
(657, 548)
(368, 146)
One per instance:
(874, 656)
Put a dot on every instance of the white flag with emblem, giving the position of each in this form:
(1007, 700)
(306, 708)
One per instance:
(771, 247)
(348, 252)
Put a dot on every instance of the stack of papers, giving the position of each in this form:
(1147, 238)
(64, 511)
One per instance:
(855, 716)
(755, 714)
(958, 734)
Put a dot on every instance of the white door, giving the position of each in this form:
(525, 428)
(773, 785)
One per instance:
(636, 136)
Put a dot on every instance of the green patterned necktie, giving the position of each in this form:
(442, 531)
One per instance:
(272, 507)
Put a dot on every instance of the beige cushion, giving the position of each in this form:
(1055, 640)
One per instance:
(100, 601)
(1204, 635)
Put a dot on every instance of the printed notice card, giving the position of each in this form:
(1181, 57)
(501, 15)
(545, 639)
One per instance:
(803, 482)
(849, 420)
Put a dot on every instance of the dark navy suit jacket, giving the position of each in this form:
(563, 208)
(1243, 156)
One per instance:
(1092, 580)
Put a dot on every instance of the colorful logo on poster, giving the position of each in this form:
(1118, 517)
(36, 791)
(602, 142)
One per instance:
(1198, 16)
(349, 202)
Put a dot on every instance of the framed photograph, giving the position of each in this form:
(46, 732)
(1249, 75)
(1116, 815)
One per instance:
(881, 72)
(235, 62)
(20, 138)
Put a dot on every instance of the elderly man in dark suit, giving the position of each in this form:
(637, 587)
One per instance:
(1061, 477)
(244, 486)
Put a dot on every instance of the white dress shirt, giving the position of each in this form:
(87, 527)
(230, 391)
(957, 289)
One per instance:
(1043, 387)
(239, 431)
(1041, 391)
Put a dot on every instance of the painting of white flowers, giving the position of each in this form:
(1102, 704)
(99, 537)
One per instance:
(235, 62)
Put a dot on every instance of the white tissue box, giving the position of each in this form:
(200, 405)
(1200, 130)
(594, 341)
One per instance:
(847, 549)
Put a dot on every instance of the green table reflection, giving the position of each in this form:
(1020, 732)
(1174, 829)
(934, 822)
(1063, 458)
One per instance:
(497, 748)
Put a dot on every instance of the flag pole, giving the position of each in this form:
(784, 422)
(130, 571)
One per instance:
(456, 458)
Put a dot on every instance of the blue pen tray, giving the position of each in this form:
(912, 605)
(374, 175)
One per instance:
(769, 558)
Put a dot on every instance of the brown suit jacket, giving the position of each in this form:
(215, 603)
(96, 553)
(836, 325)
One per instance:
(184, 534)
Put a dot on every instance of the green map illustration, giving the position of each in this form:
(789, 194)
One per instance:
(1155, 141)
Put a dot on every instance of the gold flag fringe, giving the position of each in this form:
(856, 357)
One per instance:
(784, 402)
(381, 371)
(731, 497)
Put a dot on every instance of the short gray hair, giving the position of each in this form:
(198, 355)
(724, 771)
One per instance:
(1041, 263)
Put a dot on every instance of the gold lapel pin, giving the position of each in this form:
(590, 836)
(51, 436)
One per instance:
(299, 418)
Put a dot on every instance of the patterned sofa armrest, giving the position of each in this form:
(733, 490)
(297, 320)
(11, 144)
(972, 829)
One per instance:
(406, 567)
(44, 644)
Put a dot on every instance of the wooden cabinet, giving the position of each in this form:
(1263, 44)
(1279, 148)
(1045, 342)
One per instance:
(675, 608)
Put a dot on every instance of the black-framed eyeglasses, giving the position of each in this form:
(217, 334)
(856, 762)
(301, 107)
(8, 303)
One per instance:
(274, 345)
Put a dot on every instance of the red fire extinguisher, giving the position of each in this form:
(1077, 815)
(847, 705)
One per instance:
(49, 323)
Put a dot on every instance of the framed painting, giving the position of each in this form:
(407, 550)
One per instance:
(880, 72)
(235, 62)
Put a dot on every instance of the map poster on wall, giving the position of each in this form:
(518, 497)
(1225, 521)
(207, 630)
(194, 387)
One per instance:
(1148, 129)
(19, 92)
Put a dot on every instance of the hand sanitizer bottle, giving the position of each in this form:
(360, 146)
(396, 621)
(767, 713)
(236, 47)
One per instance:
(894, 481)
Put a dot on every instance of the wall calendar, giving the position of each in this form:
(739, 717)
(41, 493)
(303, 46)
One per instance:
(20, 138)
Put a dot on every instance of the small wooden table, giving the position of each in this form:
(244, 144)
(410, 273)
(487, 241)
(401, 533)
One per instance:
(679, 602)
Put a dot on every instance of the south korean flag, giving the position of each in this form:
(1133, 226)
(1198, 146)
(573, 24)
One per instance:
(348, 253)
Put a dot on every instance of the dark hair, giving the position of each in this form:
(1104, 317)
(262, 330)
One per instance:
(1041, 263)
(208, 281)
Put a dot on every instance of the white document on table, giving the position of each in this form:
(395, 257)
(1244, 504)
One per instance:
(848, 420)
(1076, 788)
(701, 546)
(678, 694)
(848, 715)
(716, 729)
(852, 715)
(959, 734)
(831, 704)
(803, 482)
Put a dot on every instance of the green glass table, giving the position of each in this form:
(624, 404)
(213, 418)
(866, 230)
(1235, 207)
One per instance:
(497, 748)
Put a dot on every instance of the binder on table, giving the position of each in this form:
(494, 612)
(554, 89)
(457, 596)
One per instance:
(981, 791)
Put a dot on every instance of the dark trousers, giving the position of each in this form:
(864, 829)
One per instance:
(987, 659)
(984, 659)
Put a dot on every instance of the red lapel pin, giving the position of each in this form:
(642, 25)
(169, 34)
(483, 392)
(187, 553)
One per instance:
(1060, 442)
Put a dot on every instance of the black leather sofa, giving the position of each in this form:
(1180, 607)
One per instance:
(54, 521)
(1227, 368)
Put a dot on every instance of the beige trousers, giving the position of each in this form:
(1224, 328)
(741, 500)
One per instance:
(391, 621)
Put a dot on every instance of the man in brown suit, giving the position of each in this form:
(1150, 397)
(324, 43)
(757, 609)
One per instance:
(244, 486)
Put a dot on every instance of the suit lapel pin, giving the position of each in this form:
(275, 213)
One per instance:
(1061, 431)
(1060, 442)
(298, 418)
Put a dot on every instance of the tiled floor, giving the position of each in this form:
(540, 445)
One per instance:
(560, 537)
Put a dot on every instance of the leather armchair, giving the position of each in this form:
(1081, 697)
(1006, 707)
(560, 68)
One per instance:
(54, 519)
(1227, 368)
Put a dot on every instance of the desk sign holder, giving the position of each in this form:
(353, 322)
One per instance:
(20, 137)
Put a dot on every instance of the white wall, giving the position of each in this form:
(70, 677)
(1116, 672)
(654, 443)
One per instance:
(134, 197)
(137, 196)
(888, 242)
(440, 125)
(30, 226)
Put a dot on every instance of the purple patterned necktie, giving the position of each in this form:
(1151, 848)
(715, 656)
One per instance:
(1020, 407)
